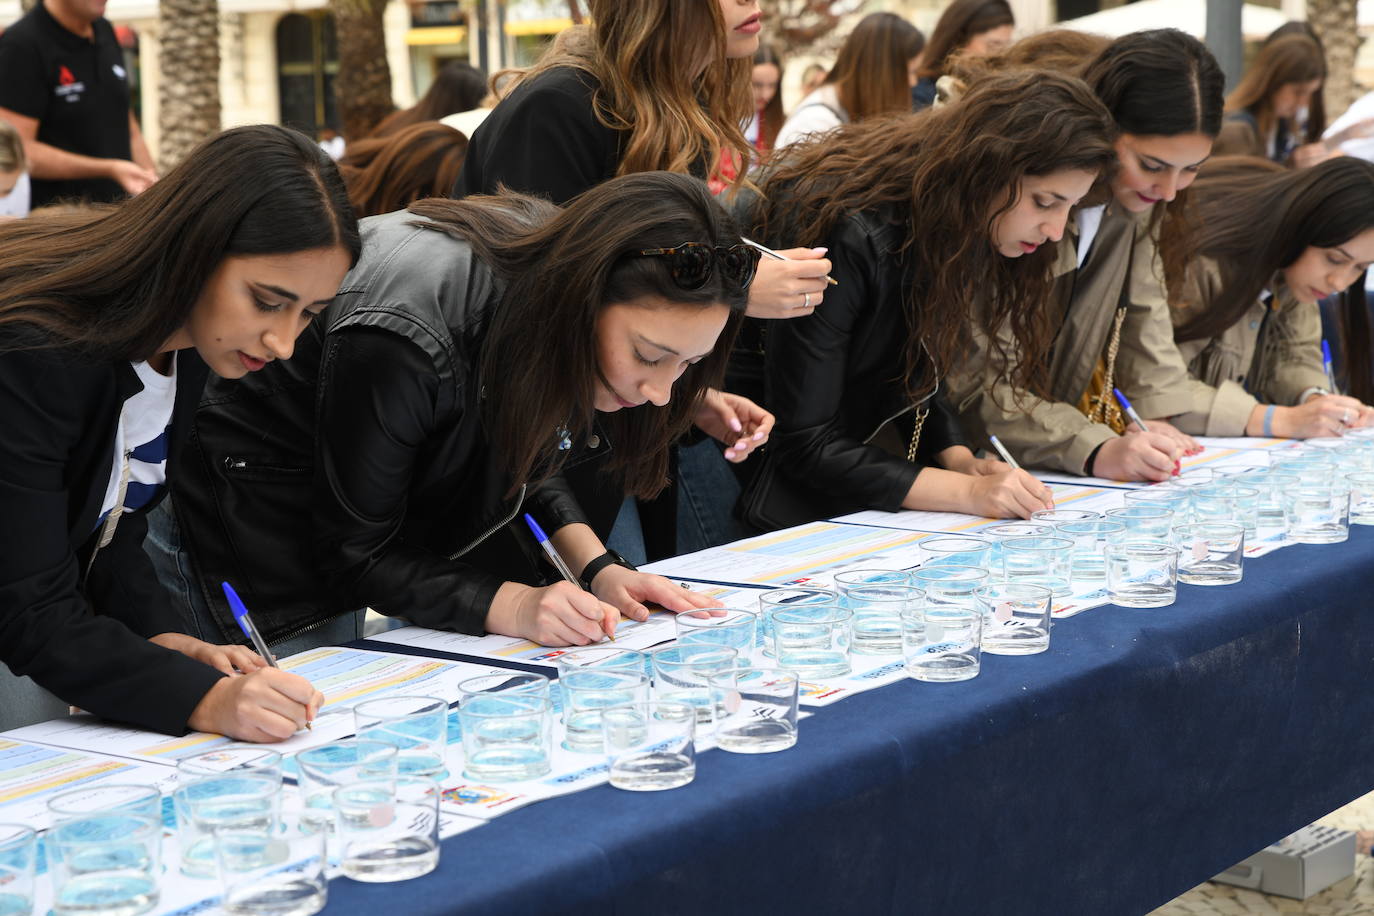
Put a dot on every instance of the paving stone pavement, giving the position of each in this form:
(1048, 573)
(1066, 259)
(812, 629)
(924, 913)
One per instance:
(1352, 897)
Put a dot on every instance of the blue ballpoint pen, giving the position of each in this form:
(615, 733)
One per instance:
(249, 628)
(554, 556)
(1130, 411)
(1326, 364)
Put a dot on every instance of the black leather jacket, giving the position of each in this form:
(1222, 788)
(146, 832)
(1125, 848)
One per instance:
(357, 472)
(834, 379)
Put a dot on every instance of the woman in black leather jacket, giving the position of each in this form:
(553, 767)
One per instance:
(478, 349)
(936, 223)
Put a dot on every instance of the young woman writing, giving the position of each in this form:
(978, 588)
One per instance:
(937, 224)
(108, 320)
(1273, 241)
(478, 349)
(1108, 304)
(1262, 112)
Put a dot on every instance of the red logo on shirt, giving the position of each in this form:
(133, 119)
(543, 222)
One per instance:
(64, 76)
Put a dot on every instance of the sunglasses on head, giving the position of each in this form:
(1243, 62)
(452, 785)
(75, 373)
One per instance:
(691, 263)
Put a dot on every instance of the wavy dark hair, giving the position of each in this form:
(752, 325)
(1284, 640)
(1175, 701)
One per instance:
(960, 21)
(561, 268)
(457, 87)
(1064, 51)
(385, 174)
(117, 281)
(953, 173)
(1162, 83)
(1259, 217)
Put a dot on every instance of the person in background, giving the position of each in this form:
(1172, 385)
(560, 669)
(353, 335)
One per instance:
(766, 81)
(388, 174)
(872, 76)
(1311, 120)
(1063, 51)
(14, 174)
(1109, 305)
(974, 28)
(458, 87)
(812, 78)
(64, 87)
(1263, 111)
(1272, 243)
(109, 318)
(479, 348)
(936, 223)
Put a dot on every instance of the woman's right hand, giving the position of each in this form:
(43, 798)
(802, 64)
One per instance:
(264, 706)
(1320, 415)
(1137, 456)
(790, 288)
(1008, 494)
(561, 614)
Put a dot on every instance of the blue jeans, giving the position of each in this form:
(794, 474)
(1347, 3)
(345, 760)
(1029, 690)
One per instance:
(174, 571)
(707, 493)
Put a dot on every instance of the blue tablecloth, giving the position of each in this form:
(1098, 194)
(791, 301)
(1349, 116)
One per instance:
(1145, 752)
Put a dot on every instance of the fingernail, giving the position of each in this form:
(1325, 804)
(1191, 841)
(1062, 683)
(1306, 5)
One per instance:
(735, 424)
(821, 251)
(758, 436)
(729, 453)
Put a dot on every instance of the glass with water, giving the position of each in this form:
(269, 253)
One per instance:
(757, 710)
(650, 746)
(388, 829)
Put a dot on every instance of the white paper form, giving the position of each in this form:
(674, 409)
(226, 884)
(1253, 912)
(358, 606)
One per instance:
(1066, 496)
(1244, 442)
(1221, 460)
(30, 774)
(660, 628)
(345, 676)
(797, 555)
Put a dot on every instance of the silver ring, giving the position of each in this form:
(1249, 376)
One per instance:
(1345, 418)
(806, 300)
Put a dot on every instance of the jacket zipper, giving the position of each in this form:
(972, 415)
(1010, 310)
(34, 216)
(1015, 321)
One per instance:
(519, 501)
(241, 464)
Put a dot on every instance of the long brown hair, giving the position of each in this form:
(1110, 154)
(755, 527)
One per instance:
(561, 268)
(117, 282)
(870, 72)
(419, 161)
(952, 176)
(1290, 59)
(648, 55)
(1063, 51)
(1316, 110)
(772, 117)
(457, 87)
(1258, 217)
(960, 21)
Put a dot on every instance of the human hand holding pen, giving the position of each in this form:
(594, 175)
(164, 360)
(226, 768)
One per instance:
(265, 706)
(789, 288)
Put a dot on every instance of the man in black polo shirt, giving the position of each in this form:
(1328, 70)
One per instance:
(64, 87)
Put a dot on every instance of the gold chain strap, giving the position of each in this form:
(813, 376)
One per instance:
(1104, 406)
(921, 413)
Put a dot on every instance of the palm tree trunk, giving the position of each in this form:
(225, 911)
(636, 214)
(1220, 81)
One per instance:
(1335, 22)
(188, 88)
(363, 86)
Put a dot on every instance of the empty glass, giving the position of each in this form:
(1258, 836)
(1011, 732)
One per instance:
(813, 640)
(417, 726)
(388, 828)
(942, 642)
(1146, 523)
(1179, 500)
(956, 551)
(1056, 517)
(507, 735)
(321, 770)
(265, 870)
(1142, 574)
(858, 578)
(877, 621)
(1361, 497)
(950, 584)
(650, 746)
(1016, 618)
(756, 710)
(682, 674)
(1039, 561)
(1210, 553)
(603, 657)
(788, 597)
(586, 693)
(18, 861)
(736, 630)
(105, 864)
(1318, 514)
(1090, 541)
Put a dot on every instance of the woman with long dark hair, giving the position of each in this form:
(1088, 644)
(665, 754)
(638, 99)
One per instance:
(458, 87)
(872, 75)
(937, 223)
(479, 348)
(1109, 303)
(1272, 243)
(971, 28)
(390, 173)
(1262, 112)
(108, 320)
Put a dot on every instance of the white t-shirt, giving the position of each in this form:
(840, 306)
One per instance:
(16, 202)
(143, 435)
(819, 113)
(1089, 221)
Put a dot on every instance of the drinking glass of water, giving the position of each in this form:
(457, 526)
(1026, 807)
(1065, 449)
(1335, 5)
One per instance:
(1210, 553)
(735, 630)
(756, 710)
(1016, 618)
(682, 674)
(388, 828)
(18, 861)
(416, 726)
(323, 769)
(813, 640)
(877, 620)
(586, 693)
(1142, 574)
(239, 801)
(106, 864)
(507, 735)
(942, 642)
(649, 746)
(267, 870)
(197, 850)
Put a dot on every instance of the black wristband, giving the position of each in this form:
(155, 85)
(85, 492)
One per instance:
(609, 558)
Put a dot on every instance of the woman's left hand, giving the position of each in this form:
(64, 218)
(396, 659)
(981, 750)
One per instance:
(734, 421)
(631, 590)
(959, 458)
(229, 659)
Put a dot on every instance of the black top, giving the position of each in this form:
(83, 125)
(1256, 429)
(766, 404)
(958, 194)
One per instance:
(923, 94)
(84, 635)
(77, 89)
(545, 139)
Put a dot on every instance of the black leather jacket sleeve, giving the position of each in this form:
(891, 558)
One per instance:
(377, 415)
(809, 380)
